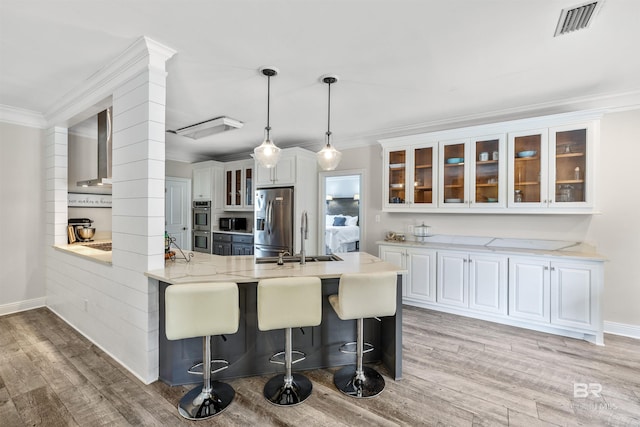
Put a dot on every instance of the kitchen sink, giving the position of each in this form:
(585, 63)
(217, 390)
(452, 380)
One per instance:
(296, 258)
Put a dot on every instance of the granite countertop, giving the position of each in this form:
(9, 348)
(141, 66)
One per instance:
(82, 250)
(243, 269)
(524, 247)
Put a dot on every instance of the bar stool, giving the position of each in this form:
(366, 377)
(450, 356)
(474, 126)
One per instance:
(363, 295)
(285, 303)
(203, 310)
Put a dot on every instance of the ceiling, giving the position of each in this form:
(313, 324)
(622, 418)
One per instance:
(403, 65)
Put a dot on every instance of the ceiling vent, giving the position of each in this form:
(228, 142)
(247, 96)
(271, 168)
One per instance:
(208, 127)
(577, 18)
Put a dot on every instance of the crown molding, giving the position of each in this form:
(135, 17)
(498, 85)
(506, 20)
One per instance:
(22, 117)
(587, 105)
(143, 54)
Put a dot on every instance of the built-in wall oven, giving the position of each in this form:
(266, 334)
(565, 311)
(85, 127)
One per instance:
(202, 226)
(202, 241)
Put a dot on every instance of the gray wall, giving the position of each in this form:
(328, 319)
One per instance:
(21, 217)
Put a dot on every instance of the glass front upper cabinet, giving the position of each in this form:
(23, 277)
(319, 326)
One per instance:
(487, 171)
(528, 169)
(397, 177)
(423, 175)
(453, 174)
(570, 168)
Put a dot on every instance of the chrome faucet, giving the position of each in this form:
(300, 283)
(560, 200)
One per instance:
(281, 256)
(304, 234)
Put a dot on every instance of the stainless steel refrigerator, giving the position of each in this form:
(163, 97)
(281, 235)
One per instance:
(273, 231)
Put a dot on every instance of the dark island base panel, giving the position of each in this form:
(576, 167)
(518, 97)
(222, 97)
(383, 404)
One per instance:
(248, 351)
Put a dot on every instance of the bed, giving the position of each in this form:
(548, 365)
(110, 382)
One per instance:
(342, 233)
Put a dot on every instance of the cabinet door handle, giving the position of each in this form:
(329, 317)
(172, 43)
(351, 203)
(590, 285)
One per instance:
(553, 269)
(546, 268)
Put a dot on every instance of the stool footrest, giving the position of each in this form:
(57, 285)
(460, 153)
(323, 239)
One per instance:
(197, 368)
(278, 358)
(367, 347)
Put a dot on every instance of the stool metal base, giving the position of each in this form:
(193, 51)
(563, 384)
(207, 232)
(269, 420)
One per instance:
(199, 405)
(369, 384)
(281, 394)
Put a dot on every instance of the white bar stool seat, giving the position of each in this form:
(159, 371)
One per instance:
(285, 303)
(203, 310)
(360, 296)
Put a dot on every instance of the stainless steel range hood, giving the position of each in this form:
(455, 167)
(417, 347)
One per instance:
(104, 152)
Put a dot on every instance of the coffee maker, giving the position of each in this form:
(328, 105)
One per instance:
(81, 230)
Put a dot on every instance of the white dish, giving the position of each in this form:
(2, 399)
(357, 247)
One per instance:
(396, 165)
(396, 185)
(453, 200)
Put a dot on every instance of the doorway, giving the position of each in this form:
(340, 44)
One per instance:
(341, 213)
(177, 210)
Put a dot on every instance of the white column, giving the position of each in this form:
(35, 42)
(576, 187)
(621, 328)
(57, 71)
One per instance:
(55, 197)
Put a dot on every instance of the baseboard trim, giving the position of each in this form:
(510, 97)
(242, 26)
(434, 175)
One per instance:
(16, 307)
(631, 331)
(124, 365)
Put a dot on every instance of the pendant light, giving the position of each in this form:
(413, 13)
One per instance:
(328, 157)
(267, 153)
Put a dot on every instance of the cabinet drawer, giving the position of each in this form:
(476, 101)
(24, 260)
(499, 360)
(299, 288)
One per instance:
(237, 238)
(222, 237)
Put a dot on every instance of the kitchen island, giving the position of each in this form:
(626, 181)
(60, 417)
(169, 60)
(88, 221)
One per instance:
(248, 351)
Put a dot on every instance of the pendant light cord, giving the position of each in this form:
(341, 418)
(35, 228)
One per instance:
(329, 115)
(268, 128)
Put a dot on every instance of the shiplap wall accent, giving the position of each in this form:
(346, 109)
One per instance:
(115, 305)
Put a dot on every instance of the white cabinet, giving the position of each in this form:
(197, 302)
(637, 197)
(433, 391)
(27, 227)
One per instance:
(488, 283)
(546, 293)
(202, 183)
(575, 294)
(472, 172)
(571, 165)
(453, 279)
(529, 287)
(476, 281)
(419, 284)
(552, 168)
(238, 185)
(540, 165)
(284, 173)
(410, 179)
(421, 281)
(207, 180)
(561, 293)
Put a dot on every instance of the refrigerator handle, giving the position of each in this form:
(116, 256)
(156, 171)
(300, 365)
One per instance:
(269, 216)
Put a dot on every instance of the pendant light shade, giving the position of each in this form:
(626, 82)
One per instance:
(267, 153)
(329, 157)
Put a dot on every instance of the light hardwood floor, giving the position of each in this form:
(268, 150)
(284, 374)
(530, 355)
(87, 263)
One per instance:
(457, 371)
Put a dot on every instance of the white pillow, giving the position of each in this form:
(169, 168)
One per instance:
(329, 220)
(352, 220)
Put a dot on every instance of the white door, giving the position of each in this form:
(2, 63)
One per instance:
(177, 208)
(529, 287)
(572, 295)
(453, 279)
(488, 283)
(421, 284)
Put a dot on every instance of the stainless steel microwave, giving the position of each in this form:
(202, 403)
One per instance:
(233, 224)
